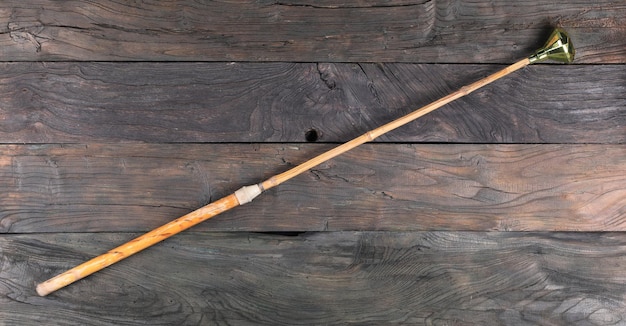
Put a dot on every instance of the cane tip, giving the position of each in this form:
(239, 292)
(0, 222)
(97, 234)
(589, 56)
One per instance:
(43, 289)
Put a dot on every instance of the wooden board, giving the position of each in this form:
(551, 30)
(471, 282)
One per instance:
(365, 278)
(116, 117)
(280, 102)
(136, 187)
(293, 30)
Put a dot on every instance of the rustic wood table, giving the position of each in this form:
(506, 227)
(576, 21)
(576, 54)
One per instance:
(507, 206)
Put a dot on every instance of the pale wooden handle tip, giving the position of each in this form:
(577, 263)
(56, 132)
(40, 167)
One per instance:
(43, 289)
(57, 282)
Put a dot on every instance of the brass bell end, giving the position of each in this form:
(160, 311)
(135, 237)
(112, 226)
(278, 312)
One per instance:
(559, 47)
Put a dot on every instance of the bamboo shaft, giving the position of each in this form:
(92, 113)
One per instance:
(375, 133)
(242, 197)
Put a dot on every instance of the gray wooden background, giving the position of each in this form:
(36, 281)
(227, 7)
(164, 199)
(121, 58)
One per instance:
(506, 207)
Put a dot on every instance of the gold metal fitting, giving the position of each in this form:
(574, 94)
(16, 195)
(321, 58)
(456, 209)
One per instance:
(559, 47)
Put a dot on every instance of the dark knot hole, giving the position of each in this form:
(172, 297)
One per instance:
(311, 135)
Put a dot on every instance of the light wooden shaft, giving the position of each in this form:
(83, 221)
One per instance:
(136, 245)
(373, 134)
(228, 202)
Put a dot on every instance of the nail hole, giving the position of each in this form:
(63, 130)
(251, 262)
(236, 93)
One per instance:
(311, 135)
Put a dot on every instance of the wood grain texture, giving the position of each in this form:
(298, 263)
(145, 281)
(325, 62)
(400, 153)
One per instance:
(365, 278)
(292, 30)
(136, 187)
(279, 102)
(117, 117)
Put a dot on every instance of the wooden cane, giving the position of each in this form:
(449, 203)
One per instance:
(558, 47)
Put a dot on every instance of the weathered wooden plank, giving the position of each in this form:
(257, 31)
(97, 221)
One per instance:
(280, 102)
(330, 31)
(136, 187)
(324, 278)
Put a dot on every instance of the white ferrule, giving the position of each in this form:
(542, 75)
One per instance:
(247, 194)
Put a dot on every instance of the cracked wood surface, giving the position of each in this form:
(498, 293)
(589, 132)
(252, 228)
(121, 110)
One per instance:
(116, 117)
(279, 102)
(328, 31)
(365, 278)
